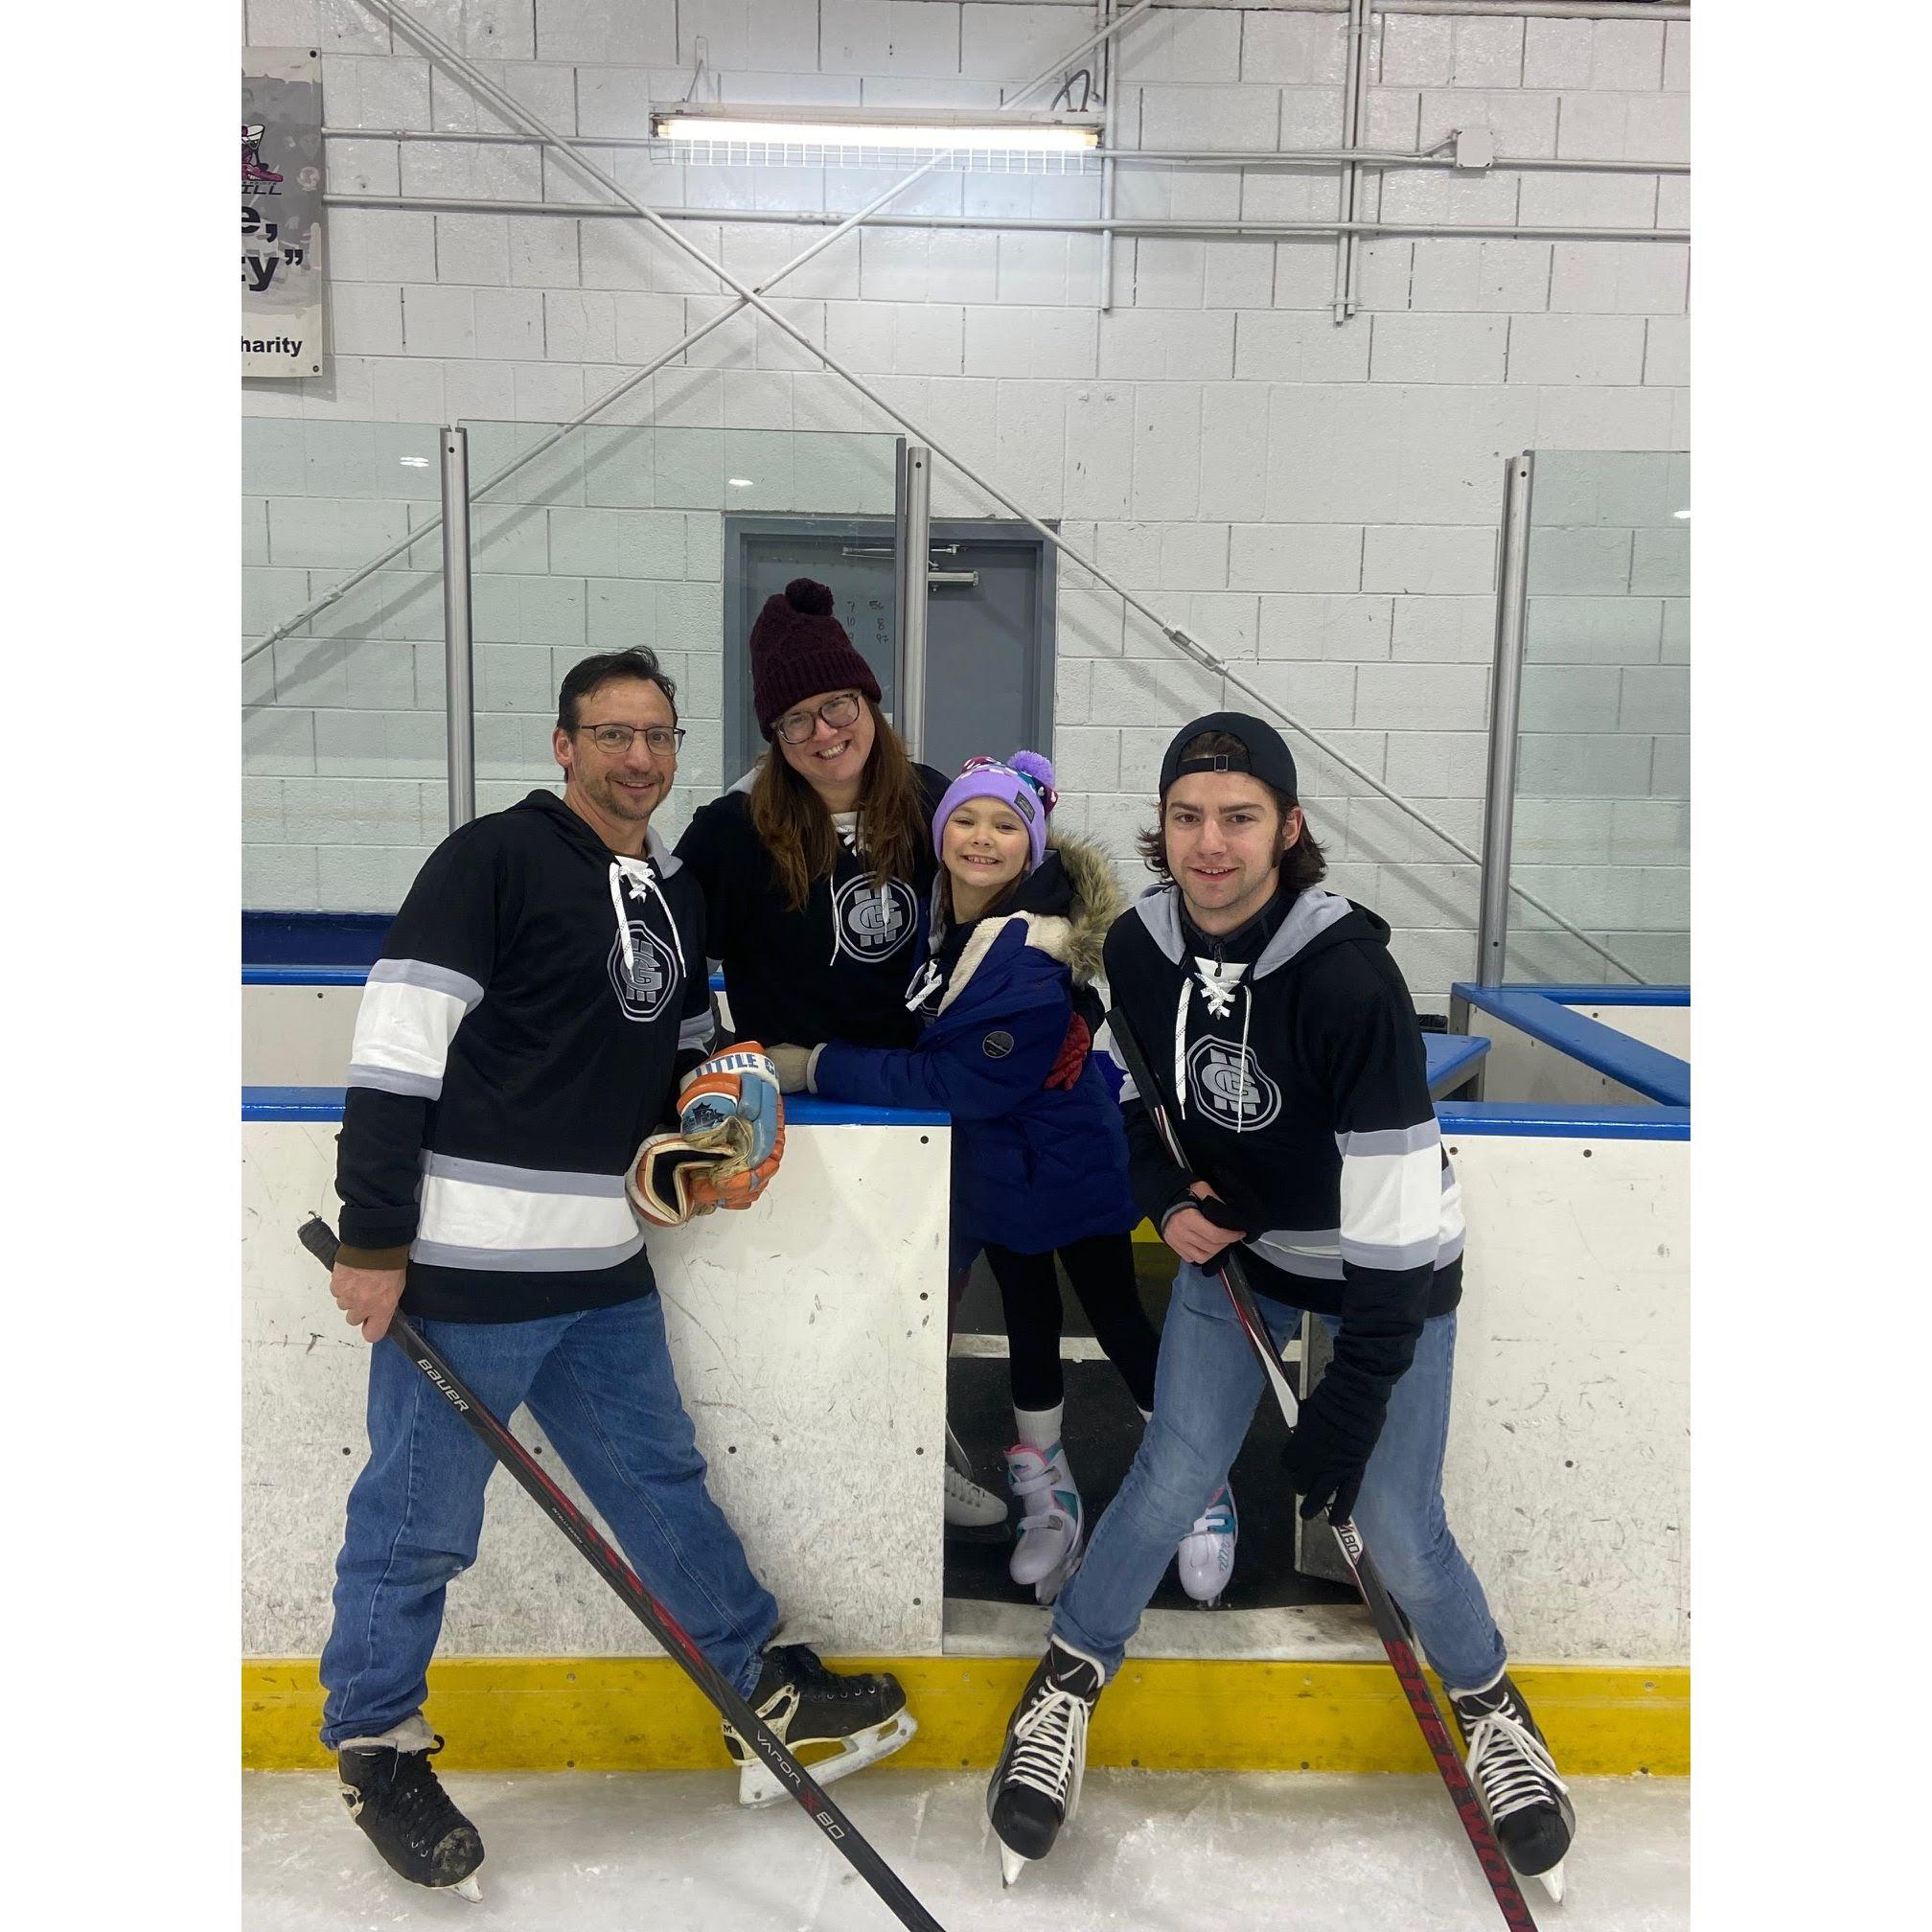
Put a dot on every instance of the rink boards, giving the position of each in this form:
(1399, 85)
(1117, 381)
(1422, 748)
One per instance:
(809, 1337)
(809, 1334)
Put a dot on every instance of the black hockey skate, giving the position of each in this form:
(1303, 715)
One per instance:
(862, 1715)
(1036, 1784)
(394, 1795)
(1510, 1766)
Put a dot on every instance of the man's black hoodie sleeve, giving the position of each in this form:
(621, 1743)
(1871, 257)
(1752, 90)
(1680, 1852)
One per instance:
(1363, 1035)
(435, 969)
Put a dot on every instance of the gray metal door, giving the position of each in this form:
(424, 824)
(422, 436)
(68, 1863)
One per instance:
(989, 678)
(989, 646)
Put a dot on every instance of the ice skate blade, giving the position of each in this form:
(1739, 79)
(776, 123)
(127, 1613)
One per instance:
(758, 1784)
(1011, 1864)
(1552, 1881)
(466, 1888)
(1047, 1592)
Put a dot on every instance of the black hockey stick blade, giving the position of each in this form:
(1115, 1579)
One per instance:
(319, 1238)
(1389, 1622)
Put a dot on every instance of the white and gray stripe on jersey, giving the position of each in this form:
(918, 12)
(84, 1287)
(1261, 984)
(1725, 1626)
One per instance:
(485, 1214)
(1405, 1212)
(409, 1014)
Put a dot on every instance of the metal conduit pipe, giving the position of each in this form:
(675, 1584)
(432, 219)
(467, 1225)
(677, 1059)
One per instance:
(1521, 10)
(1353, 76)
(515, 112)
(1107, 165)
(1068, 224)
(1207, 157)
(336, 591)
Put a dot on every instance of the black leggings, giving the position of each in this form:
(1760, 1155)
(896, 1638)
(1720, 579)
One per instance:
(1101, 1269)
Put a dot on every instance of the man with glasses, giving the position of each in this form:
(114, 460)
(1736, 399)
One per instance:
(541, 1002)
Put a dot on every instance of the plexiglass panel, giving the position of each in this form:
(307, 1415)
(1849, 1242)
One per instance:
(342, 728)
(615, 536)
(1603, 818)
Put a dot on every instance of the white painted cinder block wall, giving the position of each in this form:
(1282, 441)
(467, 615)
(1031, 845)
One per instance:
(1318, 503)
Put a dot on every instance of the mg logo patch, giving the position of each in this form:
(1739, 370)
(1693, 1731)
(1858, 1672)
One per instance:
(644, 988)
(1226, 1083)
(872, 926)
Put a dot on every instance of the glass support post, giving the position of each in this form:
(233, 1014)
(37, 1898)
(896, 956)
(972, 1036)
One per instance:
(459, 680)
(1505, 690)
(911, 550)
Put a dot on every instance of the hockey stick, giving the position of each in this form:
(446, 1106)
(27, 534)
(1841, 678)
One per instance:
(1390, 1625)
(319, 1238)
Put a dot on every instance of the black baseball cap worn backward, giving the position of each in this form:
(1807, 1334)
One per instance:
(1263, 754)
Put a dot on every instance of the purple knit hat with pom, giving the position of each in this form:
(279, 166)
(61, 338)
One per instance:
(1024, 782)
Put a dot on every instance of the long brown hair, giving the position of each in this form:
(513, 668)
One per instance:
(796, 828)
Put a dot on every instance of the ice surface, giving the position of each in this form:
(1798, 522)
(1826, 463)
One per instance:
(1155, 1852)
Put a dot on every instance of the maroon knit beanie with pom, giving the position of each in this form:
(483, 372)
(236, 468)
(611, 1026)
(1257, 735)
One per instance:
(799, 649)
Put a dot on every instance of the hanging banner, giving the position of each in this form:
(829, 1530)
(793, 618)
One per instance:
(281, 210)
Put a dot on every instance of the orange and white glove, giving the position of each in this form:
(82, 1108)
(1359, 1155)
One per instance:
(726, 1147)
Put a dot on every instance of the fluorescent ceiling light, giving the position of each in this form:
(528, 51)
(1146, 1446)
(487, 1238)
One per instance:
(738, 482)
(997, 136)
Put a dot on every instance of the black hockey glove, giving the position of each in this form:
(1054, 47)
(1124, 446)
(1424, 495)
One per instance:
(1330, 1447)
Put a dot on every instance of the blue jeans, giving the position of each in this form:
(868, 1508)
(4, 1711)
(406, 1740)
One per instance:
(601, 1387)
(1205, 1392)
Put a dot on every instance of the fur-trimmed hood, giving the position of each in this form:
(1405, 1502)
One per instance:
(1065, 908)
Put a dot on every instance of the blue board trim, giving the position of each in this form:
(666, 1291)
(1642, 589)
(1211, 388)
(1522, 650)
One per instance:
(303, 976)
(293, 1103)
(1537, 1120)
(340, 975)
(802, 1110)
(1592, 996)
(1657, 1075)
(1456, 1116)
(1451, 1059)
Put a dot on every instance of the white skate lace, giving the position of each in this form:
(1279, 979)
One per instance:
(1049, 1749)
(1509, 1765)
(962, 1488)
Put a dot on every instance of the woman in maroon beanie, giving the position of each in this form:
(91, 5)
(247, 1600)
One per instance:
(817, 864)
(816, 867)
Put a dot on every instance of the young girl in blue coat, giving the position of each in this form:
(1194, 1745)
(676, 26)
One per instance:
(1015, 939)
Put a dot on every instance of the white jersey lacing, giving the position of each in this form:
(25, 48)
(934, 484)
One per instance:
(640, 877)
(1218, 980)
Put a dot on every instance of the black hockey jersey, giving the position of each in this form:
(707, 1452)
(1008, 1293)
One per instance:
(537, 998)
(836, 969)
(1299, 1089)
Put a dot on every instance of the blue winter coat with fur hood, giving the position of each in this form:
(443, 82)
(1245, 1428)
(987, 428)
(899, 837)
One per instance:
(1033, 1166)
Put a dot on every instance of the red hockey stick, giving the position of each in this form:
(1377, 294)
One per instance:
(1388, 1624)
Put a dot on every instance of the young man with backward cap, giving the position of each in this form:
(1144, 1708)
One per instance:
(1284, 1044)
(540, 1008)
